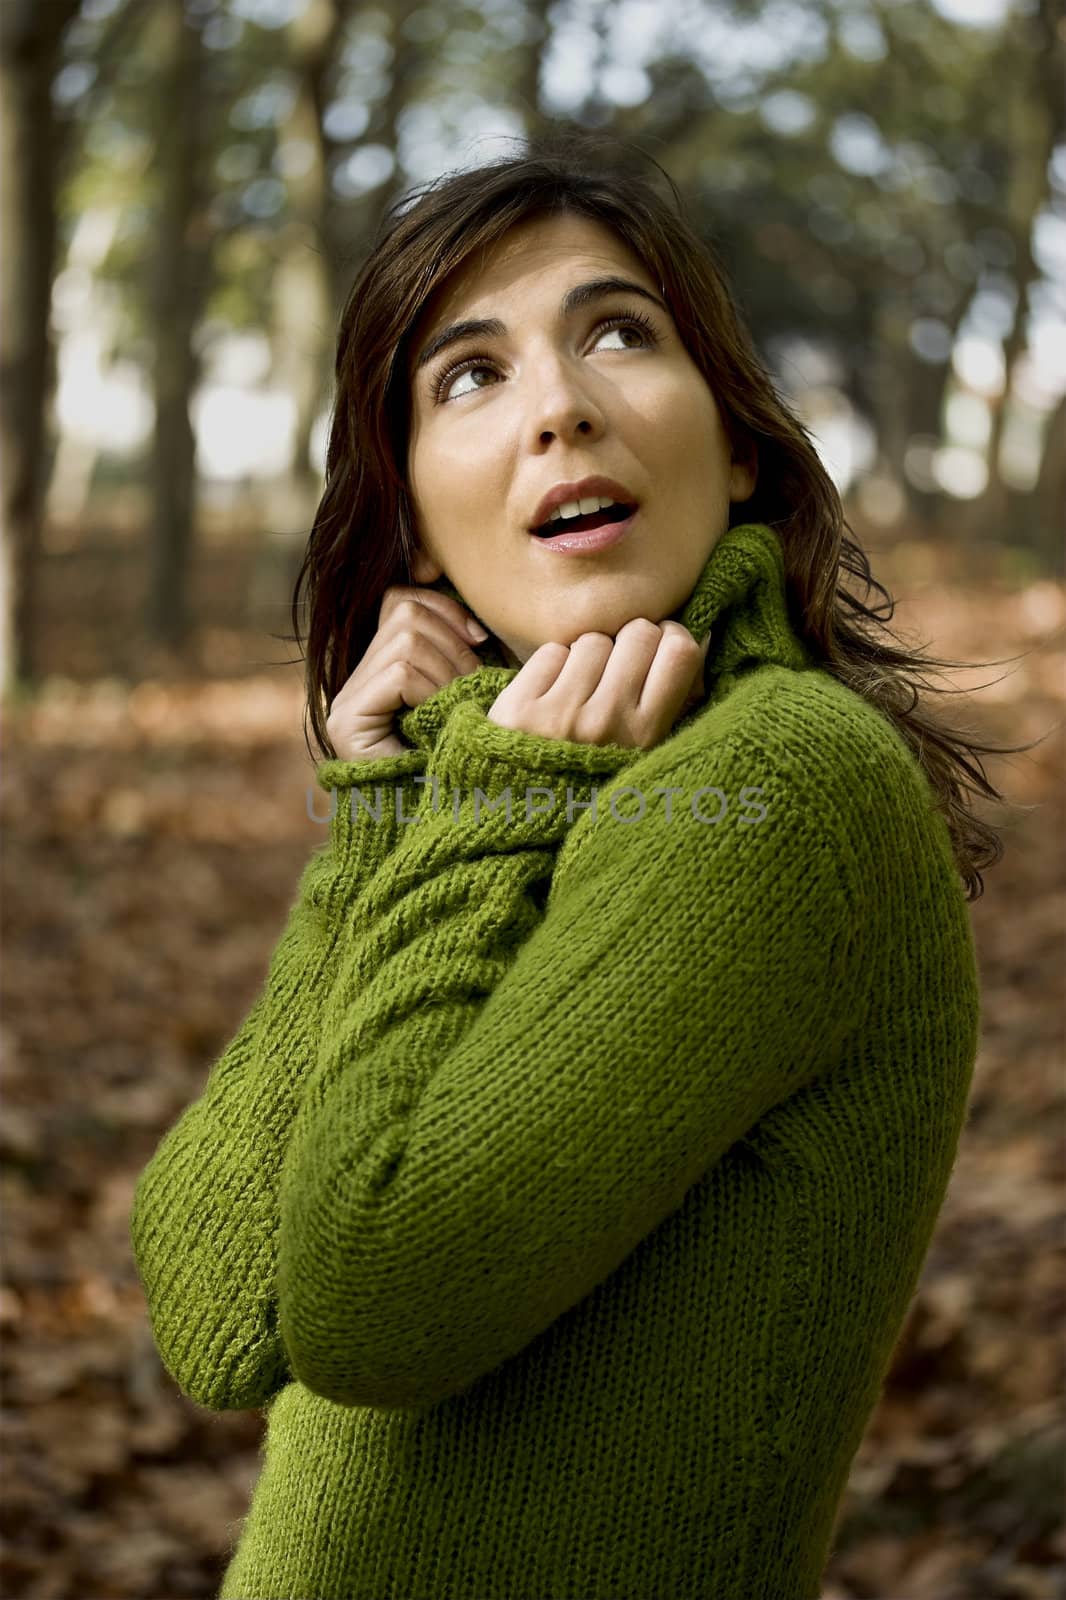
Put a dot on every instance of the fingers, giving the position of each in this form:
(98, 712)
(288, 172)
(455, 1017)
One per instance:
(628, 690)
(644, 682)
(435, 651)
(364, 702)
(646, 675)
(432, 601)
(424, 627)
(415, 651)
(678, 658)
(579, 667)
(421, 643)
(542, 671)
(636, 648)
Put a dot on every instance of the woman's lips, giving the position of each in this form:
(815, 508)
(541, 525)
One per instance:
(591, 540)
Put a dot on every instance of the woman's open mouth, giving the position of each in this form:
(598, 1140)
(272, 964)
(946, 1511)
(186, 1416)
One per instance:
(596, 530)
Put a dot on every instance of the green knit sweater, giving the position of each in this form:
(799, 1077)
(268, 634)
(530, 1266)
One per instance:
(563, 1193)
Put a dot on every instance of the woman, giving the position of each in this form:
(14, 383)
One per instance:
(563, 1194)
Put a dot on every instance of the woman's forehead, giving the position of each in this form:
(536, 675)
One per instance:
(536, 245)
(533, 244)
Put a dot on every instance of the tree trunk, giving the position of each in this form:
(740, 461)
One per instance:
(1030, 99)
(179, 289)
(30, 143)
(406, 68)
(1049, 495)
(527, 90)
(302, 320)
(303, 326)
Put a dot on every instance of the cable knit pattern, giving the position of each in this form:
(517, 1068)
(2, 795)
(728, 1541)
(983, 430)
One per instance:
(565, 1212)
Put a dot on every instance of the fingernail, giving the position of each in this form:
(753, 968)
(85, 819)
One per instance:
(475, 630)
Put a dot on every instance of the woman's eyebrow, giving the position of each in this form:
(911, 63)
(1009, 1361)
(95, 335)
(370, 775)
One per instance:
(581, 295)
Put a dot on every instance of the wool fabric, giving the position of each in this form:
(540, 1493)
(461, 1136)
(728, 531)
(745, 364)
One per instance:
(563, 1193)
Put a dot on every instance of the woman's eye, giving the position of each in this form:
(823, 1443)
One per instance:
(448, 389)
(625, 327)
(639, 325)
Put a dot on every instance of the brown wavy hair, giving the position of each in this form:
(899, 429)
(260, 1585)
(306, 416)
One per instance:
(362, 537)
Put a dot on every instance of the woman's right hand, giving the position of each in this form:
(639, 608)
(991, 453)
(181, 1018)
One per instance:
(421, 644)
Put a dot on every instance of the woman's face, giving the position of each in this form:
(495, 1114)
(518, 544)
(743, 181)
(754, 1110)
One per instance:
(551, 399)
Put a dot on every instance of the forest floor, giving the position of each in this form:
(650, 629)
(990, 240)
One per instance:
(155, 824)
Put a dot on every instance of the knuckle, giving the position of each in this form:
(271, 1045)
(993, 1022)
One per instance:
(592, 727)
(641, 625)
(681, 636)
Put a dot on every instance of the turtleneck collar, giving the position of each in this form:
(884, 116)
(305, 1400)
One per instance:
(739, 598)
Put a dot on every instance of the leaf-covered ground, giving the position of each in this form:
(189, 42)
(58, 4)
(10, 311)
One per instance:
(154, 831)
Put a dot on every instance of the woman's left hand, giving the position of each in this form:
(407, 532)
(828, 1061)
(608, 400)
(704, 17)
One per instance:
(629, 690)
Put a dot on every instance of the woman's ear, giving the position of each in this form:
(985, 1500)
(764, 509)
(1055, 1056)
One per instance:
(424, 569)
(744, 472)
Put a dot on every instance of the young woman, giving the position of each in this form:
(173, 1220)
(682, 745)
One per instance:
(563, 1193)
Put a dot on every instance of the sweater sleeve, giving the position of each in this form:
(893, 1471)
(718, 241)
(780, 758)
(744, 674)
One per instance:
(204, 1220)
(514, 1088)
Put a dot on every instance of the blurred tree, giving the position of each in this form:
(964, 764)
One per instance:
(38, 150)
(864, 188)
(867, 193)
(1031, 81)
(301, 329)
(1049, 495)
(534, 39)
(30, 154)
(180, 286)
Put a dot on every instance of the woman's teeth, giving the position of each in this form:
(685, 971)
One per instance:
(579, 515)
(579, 508)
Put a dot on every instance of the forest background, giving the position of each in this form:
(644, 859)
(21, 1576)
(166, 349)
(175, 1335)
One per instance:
(188, 188)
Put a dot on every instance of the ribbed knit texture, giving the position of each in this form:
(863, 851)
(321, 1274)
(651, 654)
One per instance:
(563, 1193)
